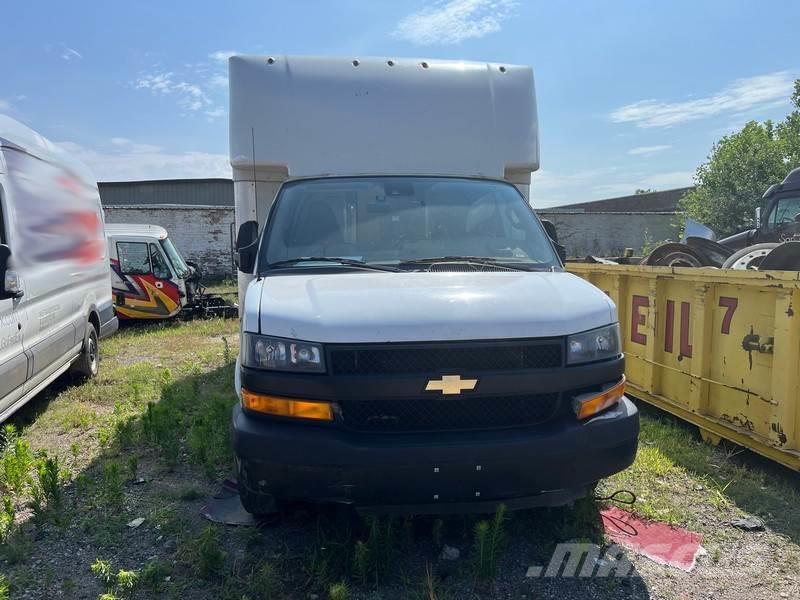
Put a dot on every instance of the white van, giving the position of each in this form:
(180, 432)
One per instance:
(410, 339)
(55, 299)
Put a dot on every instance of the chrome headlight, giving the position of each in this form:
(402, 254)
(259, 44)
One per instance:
(278, 354)
(597, 344)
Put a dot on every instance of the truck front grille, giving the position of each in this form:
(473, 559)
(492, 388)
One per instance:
(427, 359)
(448, 414)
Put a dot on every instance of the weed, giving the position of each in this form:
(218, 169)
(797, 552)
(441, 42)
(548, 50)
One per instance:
(189, 493)
(102, 570)
(160, 427)
(47, 497)
(209, 557)
(127, 581)
(361, 561)
(4, 592)
(125, 432)
(486, 545)
(15, 548)
(133, 467)
(50, 480)
(264, 583)
(430, 585)
(153, 574)
(111, 492)
(7, 518)
(339, 591)
(226, 353)
(16, 461)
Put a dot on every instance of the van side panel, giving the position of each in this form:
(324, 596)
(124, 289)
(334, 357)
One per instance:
(13, 361)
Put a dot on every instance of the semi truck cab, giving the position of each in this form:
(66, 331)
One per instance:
(410, 341)
(777, 219)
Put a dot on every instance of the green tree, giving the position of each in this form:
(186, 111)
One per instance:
(740, 167)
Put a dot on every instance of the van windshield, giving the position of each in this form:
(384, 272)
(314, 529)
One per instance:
(180, 266)
(396, 221)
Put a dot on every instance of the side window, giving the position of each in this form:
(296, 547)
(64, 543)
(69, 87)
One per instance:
(133, 258)
(160, 268)
(785, 211)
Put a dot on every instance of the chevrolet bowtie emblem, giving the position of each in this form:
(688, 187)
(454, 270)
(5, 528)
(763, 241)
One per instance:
(451, 384)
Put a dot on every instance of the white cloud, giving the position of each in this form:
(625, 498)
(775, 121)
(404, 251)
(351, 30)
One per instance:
(63, 51)
(219, 80)
(5, 105)
(191, 97)
(120, 141)
(222, 55)
(215, 113)
(645, 150)
(146, 161)
(453, 21)
(743, 95)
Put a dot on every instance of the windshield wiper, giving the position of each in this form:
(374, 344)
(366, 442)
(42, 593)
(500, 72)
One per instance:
(485, 261)
(347, 262)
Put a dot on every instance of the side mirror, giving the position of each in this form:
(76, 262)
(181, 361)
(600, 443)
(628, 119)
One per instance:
(247, 246)
(9, 279)
(550, 228)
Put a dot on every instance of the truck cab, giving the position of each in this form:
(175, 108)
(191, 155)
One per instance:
(410, 340)
(777, 218)
(149, 277)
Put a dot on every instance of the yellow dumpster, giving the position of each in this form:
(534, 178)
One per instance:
(718, 348)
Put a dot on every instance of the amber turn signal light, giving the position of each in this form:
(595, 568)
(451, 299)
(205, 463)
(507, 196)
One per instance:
(286, 407)
(587, 405)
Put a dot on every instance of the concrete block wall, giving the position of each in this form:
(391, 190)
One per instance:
(201, 233)
(608, 234)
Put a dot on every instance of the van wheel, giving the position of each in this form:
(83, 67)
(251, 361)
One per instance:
(88, 362)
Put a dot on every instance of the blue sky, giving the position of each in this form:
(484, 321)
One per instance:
(631, 93)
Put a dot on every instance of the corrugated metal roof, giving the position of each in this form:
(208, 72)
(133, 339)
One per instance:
(207, 192)
(663, 201)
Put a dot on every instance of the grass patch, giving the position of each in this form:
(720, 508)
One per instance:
(161, 410)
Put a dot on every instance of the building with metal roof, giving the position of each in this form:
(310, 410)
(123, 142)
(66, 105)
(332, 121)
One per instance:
(184, 192)
(665, 201)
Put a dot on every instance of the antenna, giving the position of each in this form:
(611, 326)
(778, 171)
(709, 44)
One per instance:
(255, 179)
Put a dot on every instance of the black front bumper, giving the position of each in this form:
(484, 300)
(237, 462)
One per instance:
(435, 472)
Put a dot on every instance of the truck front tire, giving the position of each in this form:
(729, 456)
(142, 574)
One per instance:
(254, 502)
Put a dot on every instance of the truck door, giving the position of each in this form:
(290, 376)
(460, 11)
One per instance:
(13, 361)
(781, 222)
(143, 289)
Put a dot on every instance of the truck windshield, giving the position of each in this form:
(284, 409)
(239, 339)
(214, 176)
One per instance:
(180, 266)
(399, 220)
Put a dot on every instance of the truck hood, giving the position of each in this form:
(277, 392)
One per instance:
(366, 307)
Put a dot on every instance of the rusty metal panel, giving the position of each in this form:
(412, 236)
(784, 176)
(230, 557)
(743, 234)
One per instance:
(719, 348)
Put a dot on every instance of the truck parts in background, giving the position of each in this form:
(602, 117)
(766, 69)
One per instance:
(410, 340)
(719, 348)
(151, 280)
(774, 244)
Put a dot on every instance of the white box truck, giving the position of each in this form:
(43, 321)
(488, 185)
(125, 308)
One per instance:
(410, 340)
(55, 284)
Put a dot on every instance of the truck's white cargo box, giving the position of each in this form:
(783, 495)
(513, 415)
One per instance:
(309, 116)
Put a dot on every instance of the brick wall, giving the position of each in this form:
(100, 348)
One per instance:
(201, 233)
